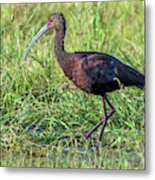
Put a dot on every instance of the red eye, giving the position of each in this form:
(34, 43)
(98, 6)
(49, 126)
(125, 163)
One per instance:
(50, 23)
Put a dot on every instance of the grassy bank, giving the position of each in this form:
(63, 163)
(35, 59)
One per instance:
(39, 105)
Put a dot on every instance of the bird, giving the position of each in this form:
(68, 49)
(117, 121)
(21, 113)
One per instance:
(93, 72)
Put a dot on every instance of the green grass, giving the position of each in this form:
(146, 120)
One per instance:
(37, 92)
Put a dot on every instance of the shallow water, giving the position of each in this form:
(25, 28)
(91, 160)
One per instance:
(74, 155)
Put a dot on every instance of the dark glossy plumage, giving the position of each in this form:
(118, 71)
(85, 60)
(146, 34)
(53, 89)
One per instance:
(99, 73)
(93, 72)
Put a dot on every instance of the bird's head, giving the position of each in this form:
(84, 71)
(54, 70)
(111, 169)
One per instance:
(56, 20)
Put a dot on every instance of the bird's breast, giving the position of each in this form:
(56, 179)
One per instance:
(73, 71)
(79, 77)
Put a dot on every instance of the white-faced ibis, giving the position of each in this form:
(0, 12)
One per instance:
(93, 72)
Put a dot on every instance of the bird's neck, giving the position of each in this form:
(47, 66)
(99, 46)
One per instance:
(59, 45)
(62, 56)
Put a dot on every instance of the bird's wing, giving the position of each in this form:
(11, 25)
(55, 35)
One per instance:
(103, 69)
(100, 68)
(92, 61)
(99, 59)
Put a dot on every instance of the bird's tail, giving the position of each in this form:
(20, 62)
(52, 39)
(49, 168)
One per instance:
(134, 78)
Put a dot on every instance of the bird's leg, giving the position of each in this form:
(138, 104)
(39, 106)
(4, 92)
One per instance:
(104, 120)
(89, 133)
(112, 109)
(106, 117)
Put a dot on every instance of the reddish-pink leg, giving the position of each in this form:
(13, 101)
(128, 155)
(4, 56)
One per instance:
(104, 120)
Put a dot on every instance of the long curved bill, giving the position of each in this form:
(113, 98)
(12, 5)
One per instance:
(41, 32)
